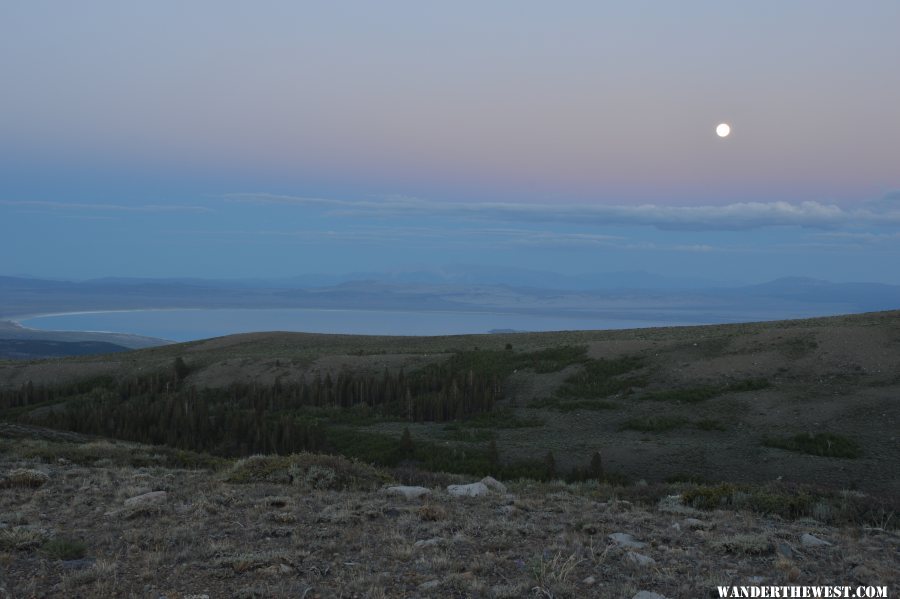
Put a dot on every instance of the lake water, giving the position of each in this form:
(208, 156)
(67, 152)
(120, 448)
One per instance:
(188, 325)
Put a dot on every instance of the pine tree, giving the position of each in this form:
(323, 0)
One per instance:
(181, 369)
(596, 467)
(406, 444)
(550, 466)
(493, 455)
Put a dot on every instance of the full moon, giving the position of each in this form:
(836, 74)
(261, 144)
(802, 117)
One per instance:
(723, 130)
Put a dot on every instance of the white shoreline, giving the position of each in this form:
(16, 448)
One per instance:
(631, 323)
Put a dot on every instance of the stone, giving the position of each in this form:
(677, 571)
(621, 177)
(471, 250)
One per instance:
(862, 574)
(623, 539)
(151, 498)
(647, 595)
(277, 570)
(694, 524)
(430, 585)
(470, 490)
(808, 540)
(428, 542)
(589, 581)
(784, 550)
(673, 504)
(640, 560)
(77, 564)
(493, 484)
(408, 492)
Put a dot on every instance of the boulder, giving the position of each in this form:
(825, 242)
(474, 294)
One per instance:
(623, 539)
(784, 550)
(639, 559)
(647, 595)
(695, 524)
(408, 492)
(470, 490)
(151, 498)
(808, 540)
(673, 504)
(494, 485)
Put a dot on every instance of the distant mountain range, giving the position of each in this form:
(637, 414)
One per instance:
(457, 288)
(613, 297)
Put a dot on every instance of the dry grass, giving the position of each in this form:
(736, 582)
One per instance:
(267, 538)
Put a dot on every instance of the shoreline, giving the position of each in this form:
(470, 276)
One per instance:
(577, 318)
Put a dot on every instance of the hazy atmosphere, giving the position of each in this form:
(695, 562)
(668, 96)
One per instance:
(224, 140)
(411, 299)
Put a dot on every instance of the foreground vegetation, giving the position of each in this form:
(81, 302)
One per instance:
(100, 519)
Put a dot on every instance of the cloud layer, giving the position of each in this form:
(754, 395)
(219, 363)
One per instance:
(728, 217)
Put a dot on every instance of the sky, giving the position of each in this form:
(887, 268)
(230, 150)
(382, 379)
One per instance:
(269, 139)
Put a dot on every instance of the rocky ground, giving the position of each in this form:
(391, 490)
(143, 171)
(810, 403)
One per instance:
(99, 519)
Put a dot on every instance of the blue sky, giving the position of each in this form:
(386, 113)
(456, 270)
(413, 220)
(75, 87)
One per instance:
(226, 139)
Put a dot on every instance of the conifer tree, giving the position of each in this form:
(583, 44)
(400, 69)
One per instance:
(406, 444)
(596, 467)
(550, 466)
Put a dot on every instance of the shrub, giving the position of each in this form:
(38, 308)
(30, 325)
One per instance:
(703, 393)
(318, 477)
(571, 405)
(751, 544)
(64, 549)
(24, 477)
(652, 425)
(315, 470)
(792, 502)
(708, 424)
(604, 377)
(20, 538)
(821, 444)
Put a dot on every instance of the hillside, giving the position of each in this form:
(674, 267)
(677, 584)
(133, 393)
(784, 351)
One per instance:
(808, 401)
(682, 458)
(82, 518)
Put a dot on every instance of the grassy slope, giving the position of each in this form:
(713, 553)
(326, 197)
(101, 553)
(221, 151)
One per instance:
(708, 402)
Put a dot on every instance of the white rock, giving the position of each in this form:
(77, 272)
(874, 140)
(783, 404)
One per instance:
(408, 492)
(640, 559)
(430, 585)
(428, 542)
(493, 484)
(673, 504)
(647, 595)
(150, 498)
(694, 524)
(589, 580)
(809, 540)
(623, 539)
(470, 490)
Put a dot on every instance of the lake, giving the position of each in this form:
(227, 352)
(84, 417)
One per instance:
(188, 325)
